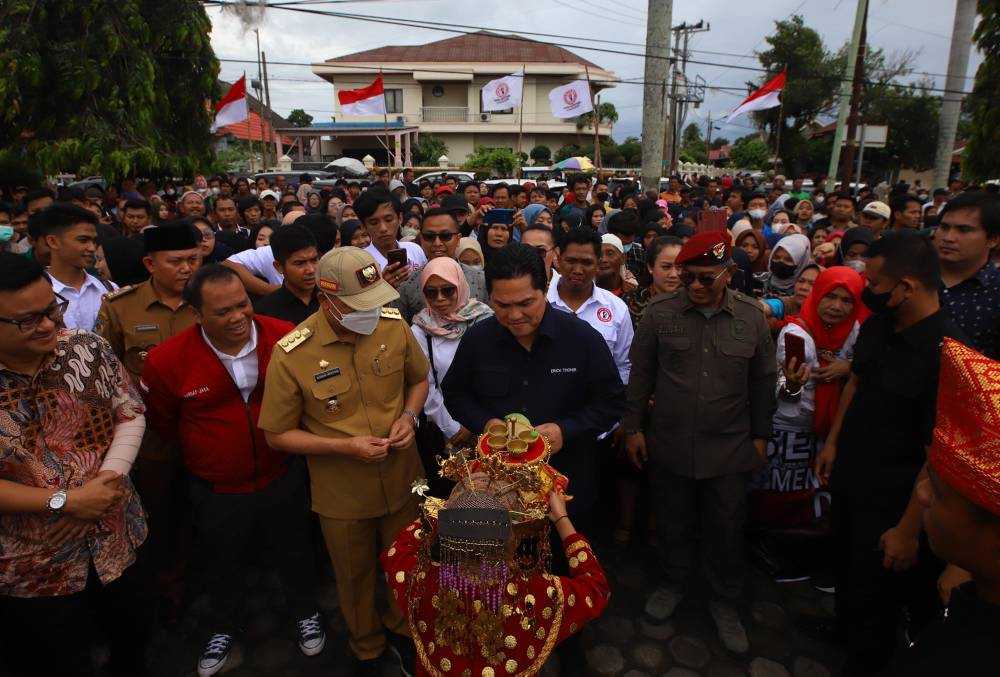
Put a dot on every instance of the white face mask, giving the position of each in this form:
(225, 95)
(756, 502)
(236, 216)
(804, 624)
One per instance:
(780, 227)
(758, 213)
(359, 321)
(820, 199)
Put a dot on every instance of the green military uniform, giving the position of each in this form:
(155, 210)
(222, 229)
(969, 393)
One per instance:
(338, 388)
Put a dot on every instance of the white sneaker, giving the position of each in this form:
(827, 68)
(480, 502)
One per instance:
(215, 655)
(312, 637)
(661, 604)
(727, 622)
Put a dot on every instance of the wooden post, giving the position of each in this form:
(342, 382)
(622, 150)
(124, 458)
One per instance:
(596, 118)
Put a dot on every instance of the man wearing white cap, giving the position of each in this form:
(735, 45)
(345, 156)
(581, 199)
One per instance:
(269, 203)
(875, 215)
(345, 389)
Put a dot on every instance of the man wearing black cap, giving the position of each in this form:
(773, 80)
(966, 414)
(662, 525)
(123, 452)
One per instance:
(705, 353)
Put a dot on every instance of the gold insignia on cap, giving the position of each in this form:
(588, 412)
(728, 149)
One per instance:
(571, 600)
(582, 556)
(573, 562)
(719, 250)
(367, 275)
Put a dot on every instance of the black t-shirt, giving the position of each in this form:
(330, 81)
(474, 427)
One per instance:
(285, 305)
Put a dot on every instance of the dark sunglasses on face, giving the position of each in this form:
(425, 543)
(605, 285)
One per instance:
(444, 237)
(434, 293)
(704, 279)
(54, 312)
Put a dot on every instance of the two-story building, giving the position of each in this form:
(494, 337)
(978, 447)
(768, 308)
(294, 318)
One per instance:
(435, 88)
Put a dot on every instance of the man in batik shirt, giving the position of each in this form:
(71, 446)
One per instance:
(70, 520)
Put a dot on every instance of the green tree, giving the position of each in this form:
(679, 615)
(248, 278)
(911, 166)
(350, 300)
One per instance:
(718, 142)
(631, 150)
(299, 118)
(567, 151)
(606, 113)
(911, 114)
(693, 147)
(982, 161)
(111, 88)
(498, 161)
(541, 154)
(750, 152)
(428, 149)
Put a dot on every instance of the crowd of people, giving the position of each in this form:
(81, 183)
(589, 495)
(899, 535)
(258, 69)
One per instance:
(204, 377)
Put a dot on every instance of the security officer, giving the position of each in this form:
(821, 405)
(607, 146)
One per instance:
(706, 355)
(345, 389)
(135, 319)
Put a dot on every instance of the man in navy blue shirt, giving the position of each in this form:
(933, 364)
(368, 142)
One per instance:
(548, 365)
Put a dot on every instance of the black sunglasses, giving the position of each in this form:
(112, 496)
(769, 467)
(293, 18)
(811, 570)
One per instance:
(704, 279)
(444, 237)
(434, 293)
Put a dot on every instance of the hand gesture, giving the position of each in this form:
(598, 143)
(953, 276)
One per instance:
(95, 497)
(519, 221)
(796, 375)
(554, 434)
(396, 273)
(401, 434)
(369, 449)
(557, 506)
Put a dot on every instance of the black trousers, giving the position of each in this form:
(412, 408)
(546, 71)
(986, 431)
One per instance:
(714, 509)
(54, 635)
(268, 527)
(870, 598)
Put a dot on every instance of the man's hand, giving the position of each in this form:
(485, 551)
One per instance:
(899, 549)
(460, 438)
(369, 449)
(396, 274)
(796, 375)
(951, 578)
(834, 370)
(401, 433)
(93, 499)
(823, 465)
(554, 434)
(635, 447)
(69, 529)
(760, 446)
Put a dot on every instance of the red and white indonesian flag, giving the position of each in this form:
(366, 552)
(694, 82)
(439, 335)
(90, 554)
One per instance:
(768, 96)
(232, 108)
(571, 100)
(368, 100)
(503, 93)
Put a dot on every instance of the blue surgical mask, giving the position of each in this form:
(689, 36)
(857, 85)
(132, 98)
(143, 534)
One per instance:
(6, 233)
(627, 247)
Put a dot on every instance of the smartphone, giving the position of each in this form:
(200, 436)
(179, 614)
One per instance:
(504, 216)
(795, 347)
(396, 256)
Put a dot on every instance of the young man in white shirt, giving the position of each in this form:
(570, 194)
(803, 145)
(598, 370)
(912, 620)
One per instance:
(379, 210)
(70, 233)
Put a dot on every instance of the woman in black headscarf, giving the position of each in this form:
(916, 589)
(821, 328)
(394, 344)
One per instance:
(854, 245)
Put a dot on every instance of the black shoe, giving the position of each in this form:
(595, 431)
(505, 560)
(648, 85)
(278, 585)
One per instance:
(824, 581)
(402, 648)
(369, 668)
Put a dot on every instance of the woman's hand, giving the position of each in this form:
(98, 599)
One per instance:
(796, 375)
(834, 370)
(557, 506)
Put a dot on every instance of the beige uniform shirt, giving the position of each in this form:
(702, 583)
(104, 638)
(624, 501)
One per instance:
(338, 389)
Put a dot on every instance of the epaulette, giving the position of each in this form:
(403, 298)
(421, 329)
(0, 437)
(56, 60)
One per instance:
(294, 339)
(391, 313)
(666, 296)
(749, 300)
(121, 291)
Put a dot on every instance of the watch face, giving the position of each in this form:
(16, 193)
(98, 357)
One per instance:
(57, 501)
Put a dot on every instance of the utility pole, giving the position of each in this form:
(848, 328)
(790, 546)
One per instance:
(708, 133)
(658, 15)
(690, 94)
(260, 104)
(845, 93)
(951, 101)
(853, 119)
(267, 102)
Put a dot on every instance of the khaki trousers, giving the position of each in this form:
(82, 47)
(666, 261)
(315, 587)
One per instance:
(354, 551)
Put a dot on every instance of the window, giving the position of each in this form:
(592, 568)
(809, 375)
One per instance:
(393, 101)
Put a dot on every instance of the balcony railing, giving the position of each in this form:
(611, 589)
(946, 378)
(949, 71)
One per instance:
(445, 113)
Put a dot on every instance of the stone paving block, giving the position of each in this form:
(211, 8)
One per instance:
(605, 660)
(273, 654)
(768, 614)
(770, 643)
(803, 666)
(658, 631)
(635, 673)
(649, 656)
(726, 669)
(764, 667)
(616, 629)
(680, 672)
(690, 651)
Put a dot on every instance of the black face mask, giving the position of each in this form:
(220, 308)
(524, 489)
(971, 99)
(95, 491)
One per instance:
(782, 270)
(878, 303)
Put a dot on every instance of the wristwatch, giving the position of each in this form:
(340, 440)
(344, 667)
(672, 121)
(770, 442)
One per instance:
(57, 501)
(416, 419)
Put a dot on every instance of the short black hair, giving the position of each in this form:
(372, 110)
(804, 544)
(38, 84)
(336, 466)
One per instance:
(139, 204)
(988, 205)
(373, 198)
(213, 272)
(57, 217)
(462, 186)
(37, 194)
(221, 198)
(498, 186)
(898, 202)
(844, 195)
(581, 236)
(288, 206)
(438, 211)
(322, 227)
(17, 272)
(626, 222)
(247, 202)
(289, 239)
(513, 261)
(908, 254)
(578, 178)
(658, 245)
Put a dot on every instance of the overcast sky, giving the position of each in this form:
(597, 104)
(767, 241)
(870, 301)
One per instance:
(923, 26)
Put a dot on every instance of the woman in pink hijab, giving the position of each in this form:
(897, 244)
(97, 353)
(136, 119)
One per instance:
(439, 327)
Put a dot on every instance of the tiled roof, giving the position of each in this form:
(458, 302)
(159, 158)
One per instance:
(252, 129)
(481, 46)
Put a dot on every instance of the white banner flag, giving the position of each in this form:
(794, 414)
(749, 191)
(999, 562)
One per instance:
(571, 100)
(503, 93)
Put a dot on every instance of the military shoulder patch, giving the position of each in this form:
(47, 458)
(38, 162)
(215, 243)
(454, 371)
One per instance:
(294, 339)
(121, 291)
(391, 313)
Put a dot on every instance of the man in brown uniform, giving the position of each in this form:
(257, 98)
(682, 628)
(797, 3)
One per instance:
(345, 389)
(134, 320)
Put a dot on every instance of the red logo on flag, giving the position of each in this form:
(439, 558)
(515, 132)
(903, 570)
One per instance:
(604, 314)
(502, 91)
(570, 97)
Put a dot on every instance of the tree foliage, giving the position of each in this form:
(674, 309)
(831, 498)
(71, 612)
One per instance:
(693, 148)
(428, 149)
(750, 152)
(567, 151)
(982, 161)
(110, 88)
(631, 150)
(718, 142)
(541, 154)
(498, 161)
(299, 118)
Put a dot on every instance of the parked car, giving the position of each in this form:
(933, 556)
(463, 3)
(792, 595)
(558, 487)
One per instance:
(434, 176)
(551, 183)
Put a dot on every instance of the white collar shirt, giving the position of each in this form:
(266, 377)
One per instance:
(259, 262)
(84, 303)
(415, 255)
(242, 367)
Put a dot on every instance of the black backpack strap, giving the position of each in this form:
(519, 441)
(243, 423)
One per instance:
(430, 356)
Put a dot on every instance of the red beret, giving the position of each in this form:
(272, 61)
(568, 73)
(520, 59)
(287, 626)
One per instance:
(708, 248)
(444, 188)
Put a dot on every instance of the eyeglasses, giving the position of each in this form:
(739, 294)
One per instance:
(207, 236)
(434, 293)
(704, 279)
(542, 249)
(444, 237)
(54, 312)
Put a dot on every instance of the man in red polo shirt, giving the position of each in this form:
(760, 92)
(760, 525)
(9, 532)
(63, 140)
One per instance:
(204, 388)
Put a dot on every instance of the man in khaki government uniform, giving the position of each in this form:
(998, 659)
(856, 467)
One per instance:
(345, 389)
(134, 320)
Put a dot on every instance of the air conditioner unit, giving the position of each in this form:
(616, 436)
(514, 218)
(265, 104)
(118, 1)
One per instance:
(484, 117)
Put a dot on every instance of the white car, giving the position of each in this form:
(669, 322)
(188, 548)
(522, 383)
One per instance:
(521, 182)
(434, 176)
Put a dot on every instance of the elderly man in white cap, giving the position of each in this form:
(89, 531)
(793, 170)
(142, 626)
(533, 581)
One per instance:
(875, 215)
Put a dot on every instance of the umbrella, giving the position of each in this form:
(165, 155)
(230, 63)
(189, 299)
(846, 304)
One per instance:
(347, 164)
(581, 163)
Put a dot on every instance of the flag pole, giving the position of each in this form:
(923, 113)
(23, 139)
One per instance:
(777, 134)
(385, 124)
(520, 124)
(596, 120)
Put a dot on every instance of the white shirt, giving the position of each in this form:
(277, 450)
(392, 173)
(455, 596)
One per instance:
(444, 352)
(415, 255)
(260, 262)
(242, 367)
(83, 304)
(606, 313)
